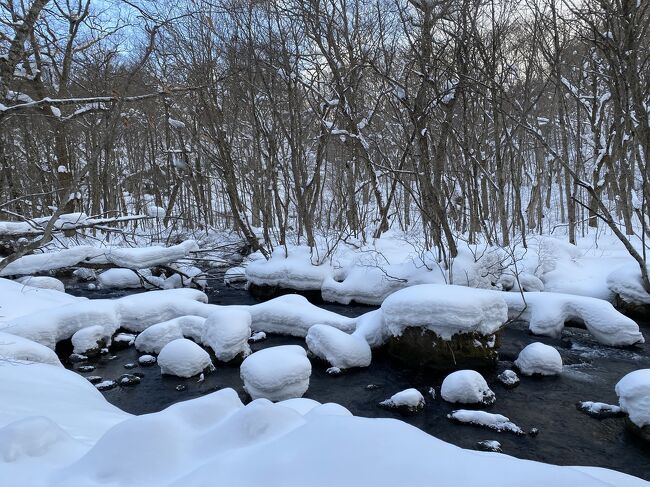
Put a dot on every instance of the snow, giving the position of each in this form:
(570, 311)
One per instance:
(216, 439)
(276, 373)
(411, 399)
(183, 358)
(444, 310)
(370, 327)
(235, 275)
(633, 393)
(14, 348)
(626, 282)
(154, 338)
(135, 312)
(496, 422)
(538, 358)
(119, 279)
(90, 338)
(293, 314)
(508, 378)
(599, 408)
(466, 387)
(146, 360)
(227, 332)
(292, 271)
(338, 348)
(42, 282)
(547, 312)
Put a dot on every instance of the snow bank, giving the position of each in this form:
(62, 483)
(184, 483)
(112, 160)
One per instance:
(276, 373)
(496, 422)
(215, 439)
(90, 338)
(227, 332)
(633, 393)
(444, 310)
(183, 358)
(547, 313)
(17, 299)
(293, 314)
(293, 271)
(135, 312)
(338, 348)
(131, 258)
(466, 387)
(18, 349)
(42, 282)
(626, 282)
(538, 358)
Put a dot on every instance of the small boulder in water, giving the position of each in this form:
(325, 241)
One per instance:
(599, 410)
(147, 360)
(94, 379)
(408, 401)
(539, 359)
(257, 336)
(127, 380)
(489, 445)
(130, 365)
(106, 385)
(75, 358)
(333, 371)
(85, 368)
(467, 387)
(509, 379)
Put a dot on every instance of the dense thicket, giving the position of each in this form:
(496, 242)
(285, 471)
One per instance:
(474, 119)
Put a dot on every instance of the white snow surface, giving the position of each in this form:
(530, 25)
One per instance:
(547, 312)
(216, 439)
(87, 338)
(496, 422)
(626, 282)
(119, 279)
(227, 332)
(155, 337)
(18, 349)
(338, 348)
(276, 373)
(633, 392)
(538, 358)
(410, 398)
(445, 310)
(42, 282)
(466, 387)
(183, 358)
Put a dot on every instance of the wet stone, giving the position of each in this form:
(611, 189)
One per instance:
(130, 365)
(181, 387)
(509, 379)
(489, 445)
(85, 368)
(106, 385)
(75, 358)
(128, 380)
(94, 379)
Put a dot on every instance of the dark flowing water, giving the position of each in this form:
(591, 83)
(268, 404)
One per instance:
(566, 435)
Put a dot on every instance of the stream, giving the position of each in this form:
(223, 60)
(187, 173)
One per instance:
(566, 436)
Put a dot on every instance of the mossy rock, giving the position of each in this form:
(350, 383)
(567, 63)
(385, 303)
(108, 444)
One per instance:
(423, 349)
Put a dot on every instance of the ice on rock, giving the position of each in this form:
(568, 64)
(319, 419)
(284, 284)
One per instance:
(547, 312)
(227, 331)
(541, 359)
(466, 387)
(445, 310)
(633, 393)
(90, 340)
(276, 373)
(14, 348)
(183, 358)
(408, 400)
(154, 338)
(496, 422)
(42, 282)
(338, 348)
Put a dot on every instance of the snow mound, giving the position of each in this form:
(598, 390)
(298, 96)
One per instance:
(444, 310)
(538, 358)
(120, 279)
(466, 387)
(276, 373)
(215, 439)
(154, 338)
(42, 282)
(293, 314)
(338, 348)
(146, 360)
(496, 422)
(91, 338)
(370, 327)
(626, 282)
(183, 358)
(34, 436)
(293, 271)
(409, 399)
(633, 393)
(227, 332)
(547, 312)
(14, 348)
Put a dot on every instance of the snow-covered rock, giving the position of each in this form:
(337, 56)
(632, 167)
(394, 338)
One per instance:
(538, 358)
(183, 358)
(445, 310)
(293, 271)
(599, 409)
(408, 400)
(338, 348)
(633, 393)
(84, 274)
(509, 379)
(466, 387)
(227, 331)
(496, 422)
(276, 373)
(42, 282)
(120, 279)
(14, 348)
(547, 312)
(90, 340)
(370, 327)
(154, 338)
(146, 360)
(625, 281)
(235, 275)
